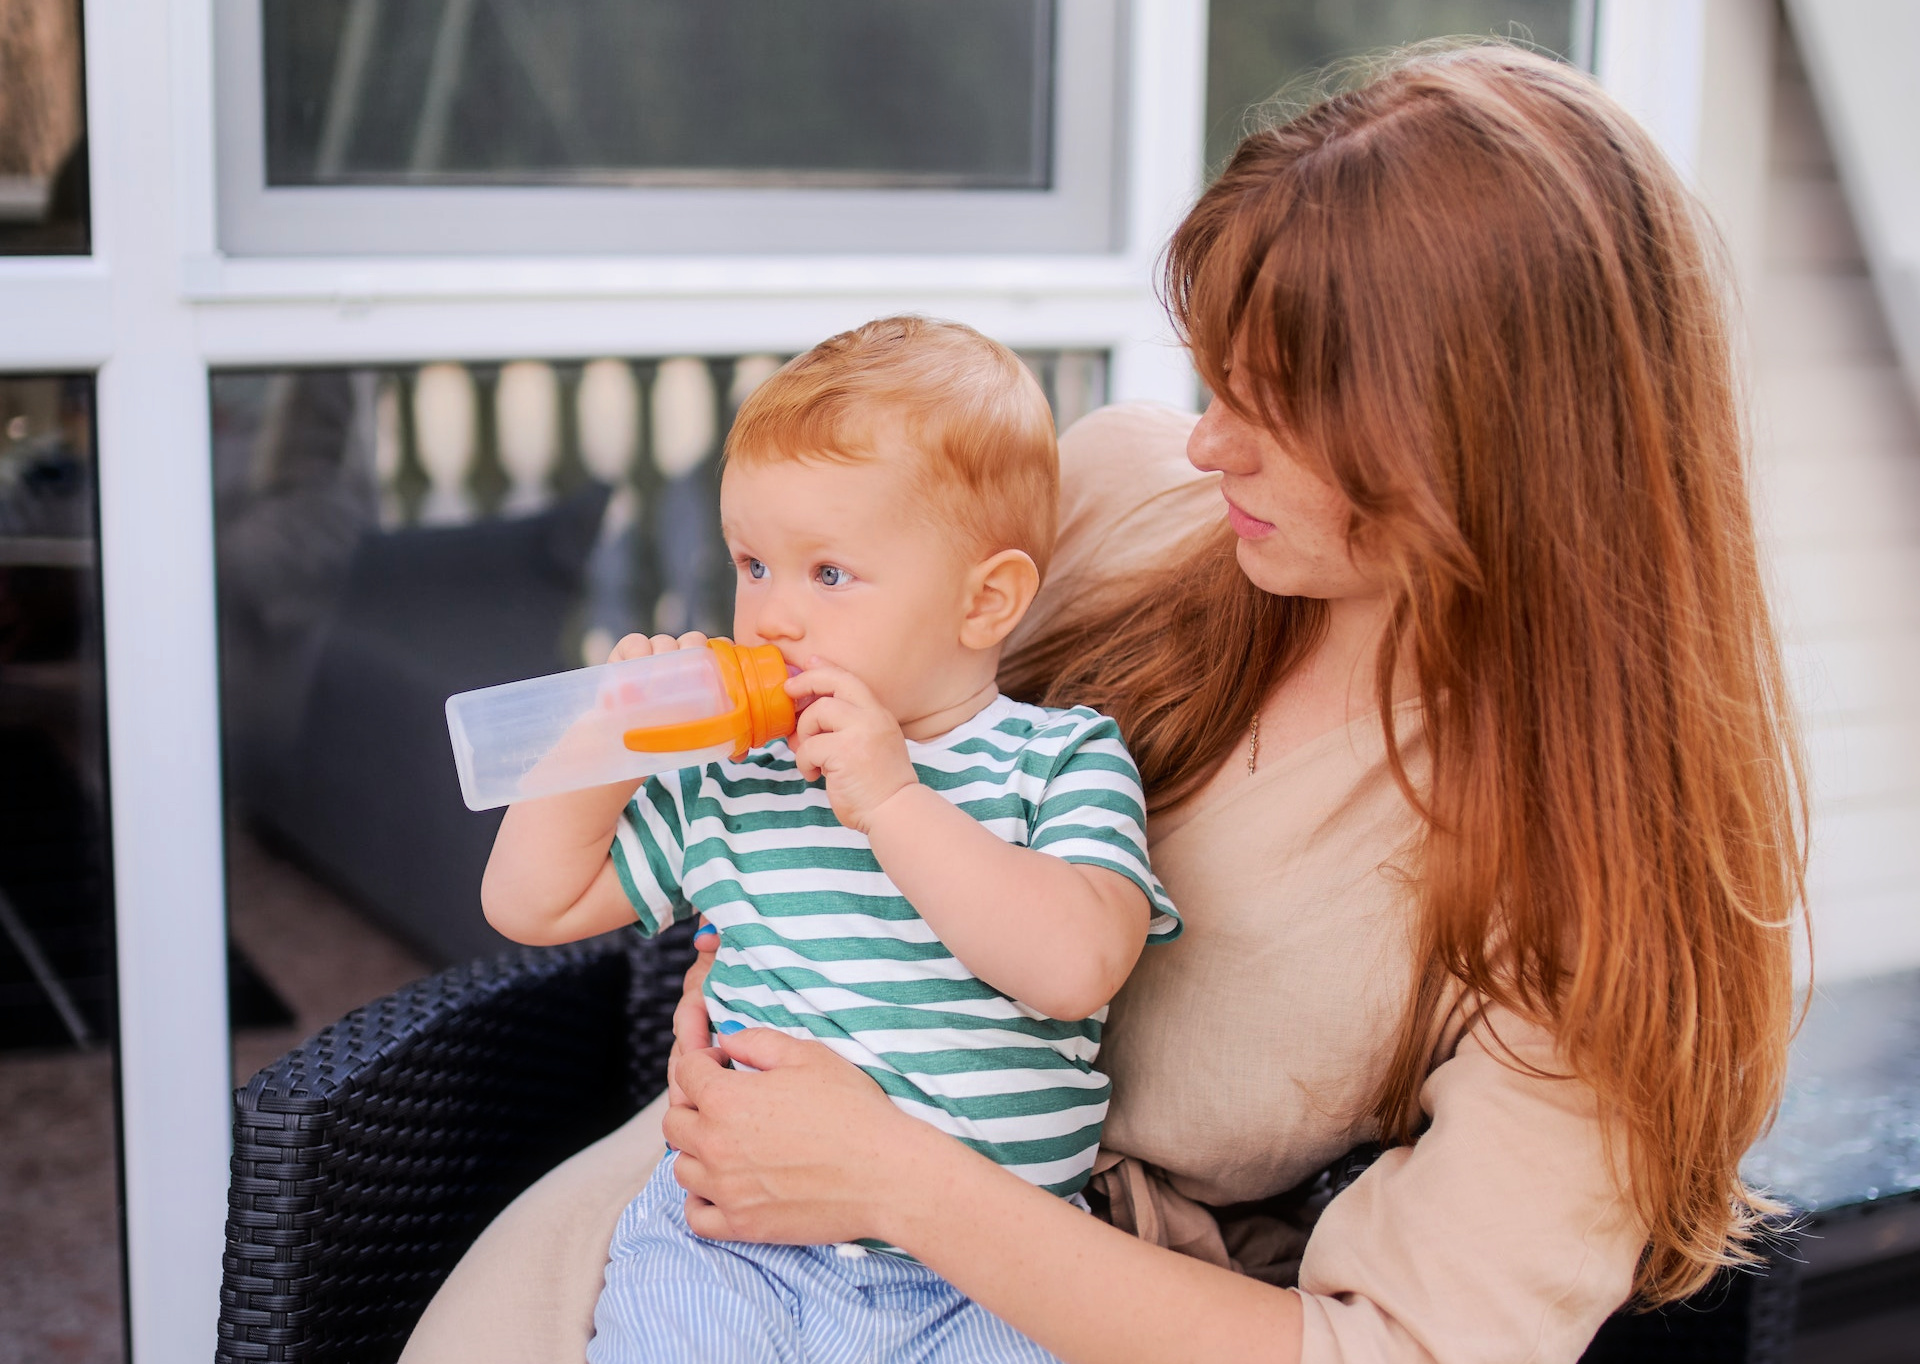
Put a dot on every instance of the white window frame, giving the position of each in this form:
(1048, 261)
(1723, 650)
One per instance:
(157, 305)
(1077, 212)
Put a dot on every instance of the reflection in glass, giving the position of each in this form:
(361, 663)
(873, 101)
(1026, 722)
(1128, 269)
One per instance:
(59, 1215)
(1255, 47)
(387, 538)
(830, 92)
(43, 130)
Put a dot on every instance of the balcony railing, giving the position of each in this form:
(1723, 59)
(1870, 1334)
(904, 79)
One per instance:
(448, 444)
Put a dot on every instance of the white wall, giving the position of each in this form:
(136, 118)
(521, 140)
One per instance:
(1839, 460)
(1860, 56)
(1836, 438)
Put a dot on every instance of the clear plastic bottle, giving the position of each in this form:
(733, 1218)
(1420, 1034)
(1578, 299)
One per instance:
(617, 722)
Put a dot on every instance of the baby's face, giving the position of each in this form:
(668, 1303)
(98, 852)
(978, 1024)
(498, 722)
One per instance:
(837, 562)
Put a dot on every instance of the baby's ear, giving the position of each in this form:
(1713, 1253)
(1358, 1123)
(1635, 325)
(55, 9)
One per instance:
(999, 591)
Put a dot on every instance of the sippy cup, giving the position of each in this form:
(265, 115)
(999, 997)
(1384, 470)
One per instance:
(617, 722)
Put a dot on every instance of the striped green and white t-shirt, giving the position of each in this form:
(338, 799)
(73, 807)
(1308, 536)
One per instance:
(817, 941)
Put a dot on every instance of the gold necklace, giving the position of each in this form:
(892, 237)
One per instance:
(1253, 744)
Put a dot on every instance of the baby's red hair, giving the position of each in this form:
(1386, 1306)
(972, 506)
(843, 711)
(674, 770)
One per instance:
(978, 427)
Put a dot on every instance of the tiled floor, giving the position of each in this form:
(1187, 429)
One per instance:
(321, 955)
(59, 1225)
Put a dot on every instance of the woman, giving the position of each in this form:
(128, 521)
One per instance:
(1471, 768)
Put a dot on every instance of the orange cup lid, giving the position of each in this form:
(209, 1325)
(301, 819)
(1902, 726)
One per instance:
(756, 682)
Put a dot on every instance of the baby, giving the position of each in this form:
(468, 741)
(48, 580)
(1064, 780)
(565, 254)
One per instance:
(942, 885)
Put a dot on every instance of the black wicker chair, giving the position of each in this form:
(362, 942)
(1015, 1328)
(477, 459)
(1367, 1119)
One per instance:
(367, 1161)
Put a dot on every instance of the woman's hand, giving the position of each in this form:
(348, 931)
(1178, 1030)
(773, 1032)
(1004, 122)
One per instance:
(806, 1152)
(692, 1029)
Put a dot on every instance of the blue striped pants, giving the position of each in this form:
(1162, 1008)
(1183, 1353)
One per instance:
(672, 1297)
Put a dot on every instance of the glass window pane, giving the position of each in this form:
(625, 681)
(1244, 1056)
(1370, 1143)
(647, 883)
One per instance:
(510, 92)
(387, 537)
(60, 1270)
(1254, 47)
(43, 130)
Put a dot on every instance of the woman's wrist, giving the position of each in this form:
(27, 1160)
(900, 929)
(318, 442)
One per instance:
(919, 1185)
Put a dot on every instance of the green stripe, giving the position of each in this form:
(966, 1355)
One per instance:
(751, 935)
(1042, 1152)
(931, 991)
(634, 898)
(969, 1060)
(848, 1023)
(987, 1107)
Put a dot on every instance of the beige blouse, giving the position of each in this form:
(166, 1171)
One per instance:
(1243, 1054)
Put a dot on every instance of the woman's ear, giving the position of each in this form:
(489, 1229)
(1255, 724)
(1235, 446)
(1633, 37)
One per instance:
(999, 591)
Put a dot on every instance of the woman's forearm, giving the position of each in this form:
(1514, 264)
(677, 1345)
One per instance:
(806, 1149)
(1087, 1292)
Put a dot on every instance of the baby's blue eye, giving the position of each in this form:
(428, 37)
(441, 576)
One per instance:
(830, 576)
(756, 569)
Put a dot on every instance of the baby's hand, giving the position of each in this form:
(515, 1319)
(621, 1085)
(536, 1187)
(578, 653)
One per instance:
(641, 646)
(848, 737)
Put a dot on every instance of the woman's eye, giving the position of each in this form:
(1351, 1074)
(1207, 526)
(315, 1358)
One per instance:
(830, 576)
(756, 569)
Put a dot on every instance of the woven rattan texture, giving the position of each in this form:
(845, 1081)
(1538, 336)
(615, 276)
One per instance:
(366, 1161)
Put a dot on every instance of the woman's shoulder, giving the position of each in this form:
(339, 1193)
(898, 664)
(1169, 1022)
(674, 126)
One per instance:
(1127, 498)
(1119, 456)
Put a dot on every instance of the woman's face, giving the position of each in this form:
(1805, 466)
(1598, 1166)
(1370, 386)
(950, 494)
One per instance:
(1292, 524)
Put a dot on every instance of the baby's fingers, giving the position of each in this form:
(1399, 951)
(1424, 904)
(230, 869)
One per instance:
(822, 717)
(823, 679)
(644, 646)
(813, 754)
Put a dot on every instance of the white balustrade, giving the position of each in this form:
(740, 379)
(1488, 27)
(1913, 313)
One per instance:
(445, 424)
(685, 422)
(685, 427)
(389, 452)
(607, 417)
(608, 414)
(526, 406)
(749, 372)
(671, 615)
(685, 432)
(596, 645)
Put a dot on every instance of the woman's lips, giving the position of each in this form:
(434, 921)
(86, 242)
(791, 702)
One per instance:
(1247, 527)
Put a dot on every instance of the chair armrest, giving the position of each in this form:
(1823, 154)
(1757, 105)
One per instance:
(1743, 1316)
(366, 1161)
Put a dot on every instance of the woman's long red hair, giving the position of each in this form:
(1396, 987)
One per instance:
(1473, 293)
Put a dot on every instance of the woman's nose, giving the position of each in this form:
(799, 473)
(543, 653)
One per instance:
(1219, 442)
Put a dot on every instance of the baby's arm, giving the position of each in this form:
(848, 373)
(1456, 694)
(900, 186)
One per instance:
(1060, 937)
(550, 878)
